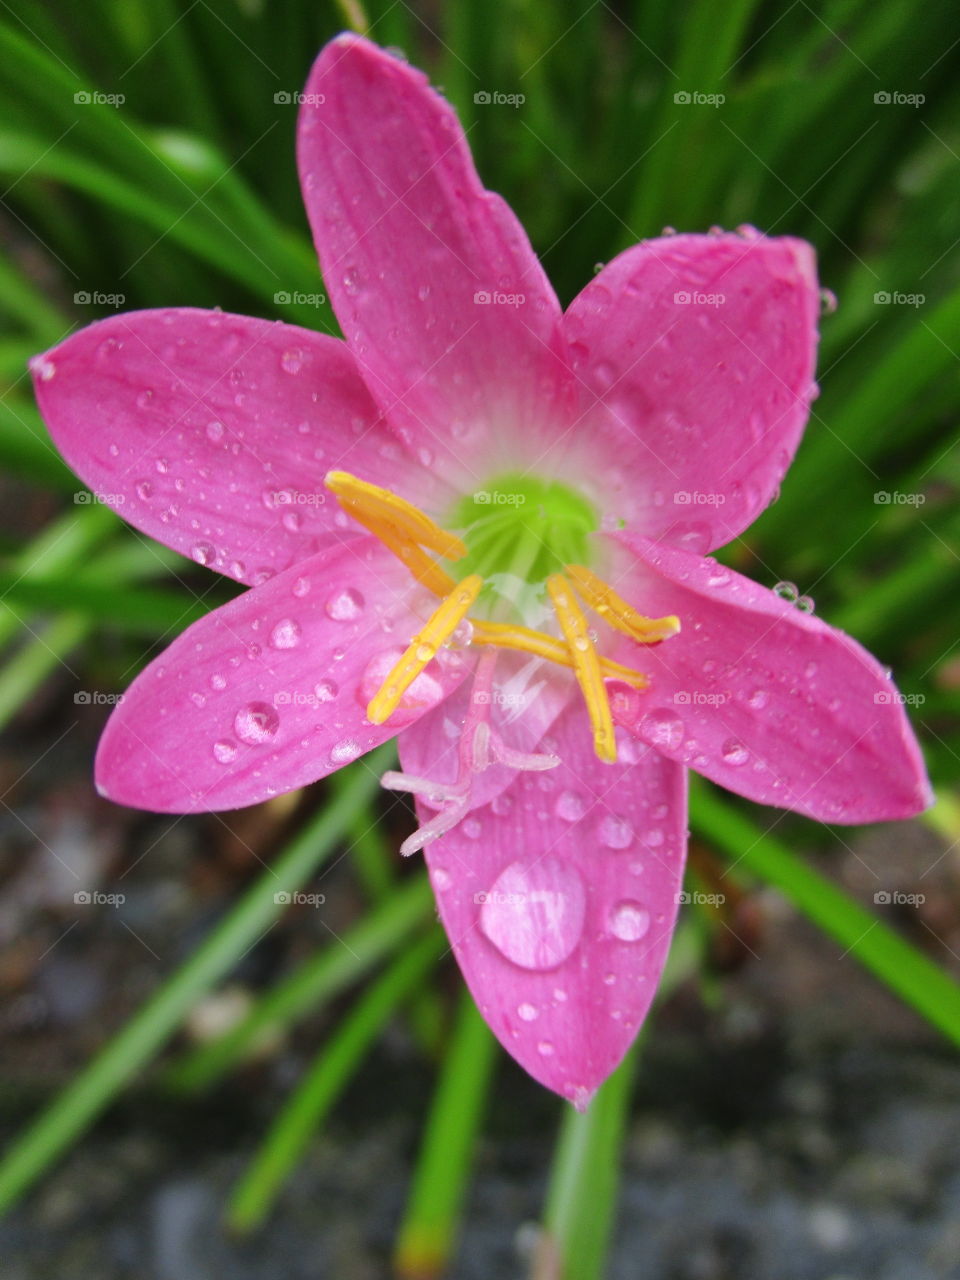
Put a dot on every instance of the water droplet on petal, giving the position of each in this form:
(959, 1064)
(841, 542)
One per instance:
(345, 605)
(570, 807)
(662, 728)
(144, 490)
(545, 1048)
(214, 431)
(533, 914)
(43, 367)
(217, 681)
(614, 832)
(440, 879)
(472, 828)
(787, 591)
(292, 361)
(629, 921)
(806, 604)
(301, 588)
(203, 553)
(828, 302)
(758, 699)
(325, 690)
(256, 723)
(225, 750)
(734, 752)
(346, 751)
(286, 634)
(528, 1012)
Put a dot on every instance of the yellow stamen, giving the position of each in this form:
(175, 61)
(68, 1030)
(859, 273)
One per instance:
(604, 600)
(586, 665)
(541, 645)
(423, 647)
(361, 499)
(425, 570)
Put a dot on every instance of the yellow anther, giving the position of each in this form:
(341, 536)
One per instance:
(423, 647)
(360, 499)
(595, 593)
(586, 665)
(425, 570)
(540, 645)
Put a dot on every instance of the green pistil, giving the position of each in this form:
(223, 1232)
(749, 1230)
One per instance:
(518, 530)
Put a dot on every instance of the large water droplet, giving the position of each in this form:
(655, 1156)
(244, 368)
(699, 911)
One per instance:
(629, 921)
(533, 914)
(614, 832)
(292, 361)
(256, 723)
(662, 728)
(346, 751)
(570, 807)
(787, 591)
(345, 605)
(286, 634)
(203, 553)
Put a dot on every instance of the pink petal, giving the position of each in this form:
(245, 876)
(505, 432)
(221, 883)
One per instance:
(528, 697)
(408, 238)
(765, 699)
(560, 905)
(213, 432)
(704, 404)
(269, 692)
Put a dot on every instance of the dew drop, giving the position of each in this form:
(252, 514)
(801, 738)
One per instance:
(214, 431)
(440, 879)
(292, 361)
(256, 723)
(528, 1012)
(345, 605)
(325, 690)
(533, 914)
(43, 368)
(217, 681)
(734, 752)
(472, 828)
(545, 1049)
(662, 728)
(614, 832)
(806, 604)
(286, 634)
(203, 553)
(787, 591)
(758, 699)
(346, 751)
(570, 807)
(828, 302)
(629, 921)
(144, 490)
(301, 588)
(225, 750)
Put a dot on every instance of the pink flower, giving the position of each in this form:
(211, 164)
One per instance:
(484, 523)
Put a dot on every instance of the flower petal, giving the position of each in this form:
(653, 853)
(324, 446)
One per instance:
(560, 903)
(765, 699)
(527, 698)
(269, 692)
(213, 432)
(451, 318)
(695, 357)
